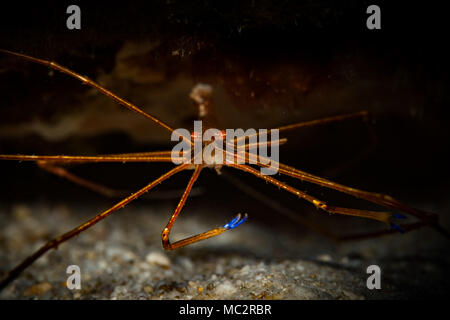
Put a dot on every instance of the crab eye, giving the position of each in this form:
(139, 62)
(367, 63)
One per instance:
(220, 135)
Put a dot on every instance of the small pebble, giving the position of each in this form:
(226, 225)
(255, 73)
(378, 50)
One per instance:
(148, 289)
(324, 258)
(225, 289)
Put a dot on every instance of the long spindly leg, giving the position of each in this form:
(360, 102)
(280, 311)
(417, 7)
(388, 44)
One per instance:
(256, 145)
(102, 189)
(294, 216)
(53, 244)
(202, 236)
(377, 198)
(361, 114)
(277, 206)
(92, 84)
(385, 217)
(149, 154)
(54, 168)
(427, 219)
(53, 164)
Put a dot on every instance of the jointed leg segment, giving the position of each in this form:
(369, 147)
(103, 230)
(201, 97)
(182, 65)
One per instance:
(55, 168)
(52, 164)
(375, 215)
(90, 83)
(237, 221)
(361, 114)
(88, 159)
(93, 186)
(377, 198)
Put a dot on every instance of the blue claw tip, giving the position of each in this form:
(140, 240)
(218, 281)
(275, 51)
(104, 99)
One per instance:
(397, 227)
(236, 222)
(240, 222)
(399, 216)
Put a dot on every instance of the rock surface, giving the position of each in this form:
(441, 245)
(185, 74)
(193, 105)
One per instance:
(122, 258)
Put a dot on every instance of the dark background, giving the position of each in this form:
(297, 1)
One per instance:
(403, 67)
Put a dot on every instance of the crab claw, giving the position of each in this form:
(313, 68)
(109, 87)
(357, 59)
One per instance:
(236, 222)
